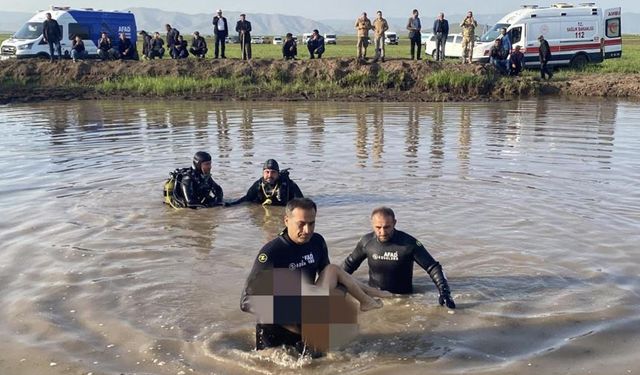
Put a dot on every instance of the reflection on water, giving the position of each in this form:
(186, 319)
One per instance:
(531, 206)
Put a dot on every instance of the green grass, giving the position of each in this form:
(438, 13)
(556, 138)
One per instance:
(446, 80)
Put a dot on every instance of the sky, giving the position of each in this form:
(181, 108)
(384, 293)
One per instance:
(315, 9)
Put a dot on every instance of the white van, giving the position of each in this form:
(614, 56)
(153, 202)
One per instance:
(390, 37)
(277, 40)
(87, 23)
(330, 39)
(576, 34)
(306, 37)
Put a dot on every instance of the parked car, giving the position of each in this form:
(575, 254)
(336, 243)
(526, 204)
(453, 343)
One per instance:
(425, 37)
(257, 40)
(330, 38)
(277, 40)
(390, 37)
(453, 47)
(306, 37)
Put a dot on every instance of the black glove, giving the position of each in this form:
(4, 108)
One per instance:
(436, 274)
(446, 299)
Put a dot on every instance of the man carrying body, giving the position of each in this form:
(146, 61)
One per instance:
(380, 25)
(220, 32)
(390, 254)
(243, 27)
(290, 268)
(415, 37)
(468, 26)
(315, 45)
(193, 187)
(52, 35)
(441, 31)
(363, 25)
(273, 188)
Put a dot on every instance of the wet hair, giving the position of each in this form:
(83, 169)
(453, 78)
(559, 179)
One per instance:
(384, 211)
(301, 203)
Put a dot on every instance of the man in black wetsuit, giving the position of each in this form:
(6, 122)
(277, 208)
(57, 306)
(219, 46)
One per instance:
(193, 187)
(274, 188)
(273, 288)
(390, 254)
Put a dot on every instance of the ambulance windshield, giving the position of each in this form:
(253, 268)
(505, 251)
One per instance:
(494, 32)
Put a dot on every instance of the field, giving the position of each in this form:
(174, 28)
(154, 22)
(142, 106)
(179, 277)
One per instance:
(629, 63)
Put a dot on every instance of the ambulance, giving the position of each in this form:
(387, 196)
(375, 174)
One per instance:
(577, 35)
(87, 23)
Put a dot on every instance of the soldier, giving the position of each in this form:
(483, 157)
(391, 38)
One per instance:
(468, 26)
(363, 25)
(380, 25)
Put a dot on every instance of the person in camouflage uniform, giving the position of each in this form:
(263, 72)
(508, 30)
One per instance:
(468, 26)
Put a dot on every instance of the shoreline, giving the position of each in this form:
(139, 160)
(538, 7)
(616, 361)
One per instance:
(396, 80)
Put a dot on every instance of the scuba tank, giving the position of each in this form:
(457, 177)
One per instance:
(171, 185)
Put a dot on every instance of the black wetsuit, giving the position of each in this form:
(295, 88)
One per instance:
(278, 195)
(283, 262)
(391, 263)
(197, 190)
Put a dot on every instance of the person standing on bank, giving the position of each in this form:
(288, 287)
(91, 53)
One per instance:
(380, 25)
(415, 37)
(390, 254)
(441, 31)
(243, 27)
(468, 26)
(545, 56)
(220, 32)
(273, 188)
(52, 34)
(363, 25)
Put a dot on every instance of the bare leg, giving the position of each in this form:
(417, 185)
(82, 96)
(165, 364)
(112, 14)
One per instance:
(373, 292)
(332, 275)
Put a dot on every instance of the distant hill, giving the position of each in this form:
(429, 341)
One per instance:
(10, 22)
(262, 24)
(277, 24)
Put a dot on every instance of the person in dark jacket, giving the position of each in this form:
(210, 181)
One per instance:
(157, 47)
(126, 48)
(220, 33)
(198, 46)
(106, 50)
(77, 49)
(273, 188)
(181, 48)
(497, 57)
(243, 27)
(146, 44)
(545, 56)
(516, 61)
(289, 47)
(172, 40)
(441, 31)
(391, 254)
(52, 34)
(194, 187)
(315, 44)
(415, 37)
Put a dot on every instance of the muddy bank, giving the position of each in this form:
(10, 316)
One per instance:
(263, 79)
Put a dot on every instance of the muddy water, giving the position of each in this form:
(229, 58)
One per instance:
(532, 207)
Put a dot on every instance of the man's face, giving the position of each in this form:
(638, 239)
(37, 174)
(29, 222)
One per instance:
(270, 175)
(300, 225)
(469, 14)
(205, 166)
(242, 18)
(219, 14)
(441, 16)
(415, 14)
(122, 36)
(383, 227)
(379, 14)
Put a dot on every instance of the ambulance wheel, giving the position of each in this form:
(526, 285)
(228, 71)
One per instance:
(579, 61)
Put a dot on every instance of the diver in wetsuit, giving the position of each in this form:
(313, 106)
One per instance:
(297, 254)
(273, 188)
(390, 254)
(193, 187)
